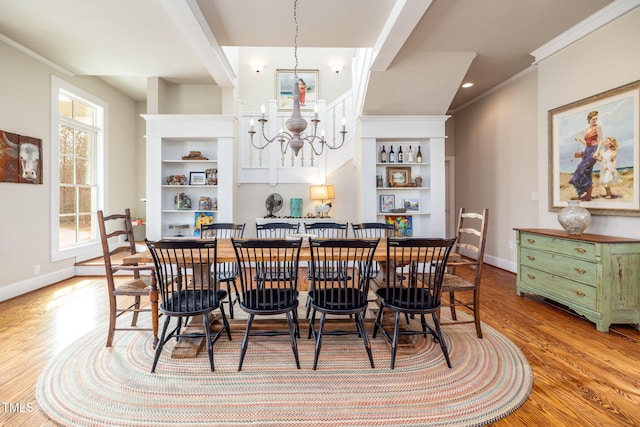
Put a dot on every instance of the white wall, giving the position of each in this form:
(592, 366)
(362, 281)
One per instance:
(24, 208)
(255, 89)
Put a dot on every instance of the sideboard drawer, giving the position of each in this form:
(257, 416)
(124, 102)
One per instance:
(552, 285)
(553, 263)
(575, 248)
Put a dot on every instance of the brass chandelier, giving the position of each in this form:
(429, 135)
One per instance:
(295, 136)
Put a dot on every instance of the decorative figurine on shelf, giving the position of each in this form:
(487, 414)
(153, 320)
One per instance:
(211, 176)
(176, 180)
(322, 209)
(418, 181)
(182, 201)
(205, 203)
(195, 155)
(178, 227)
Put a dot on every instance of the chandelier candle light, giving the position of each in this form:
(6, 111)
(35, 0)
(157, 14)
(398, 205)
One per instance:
(296, 124)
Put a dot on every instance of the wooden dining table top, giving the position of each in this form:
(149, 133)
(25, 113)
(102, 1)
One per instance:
(226, 253)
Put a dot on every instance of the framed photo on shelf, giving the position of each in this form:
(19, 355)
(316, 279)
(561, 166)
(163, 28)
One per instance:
(197, 178)
(412, 205)
(398, 176)
(307, 83)
(387, 203)
(604, 176)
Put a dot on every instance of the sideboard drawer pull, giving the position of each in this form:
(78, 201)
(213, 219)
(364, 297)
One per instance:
(580, 270)
(531, 258)
(531, 276)
(531, 241)
(580, 294)
(581, 250)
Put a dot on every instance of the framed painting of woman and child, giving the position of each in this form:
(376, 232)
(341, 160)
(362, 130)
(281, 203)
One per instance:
(594, 152)
(307, 83)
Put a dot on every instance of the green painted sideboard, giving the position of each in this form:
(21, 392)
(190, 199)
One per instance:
(596, 276)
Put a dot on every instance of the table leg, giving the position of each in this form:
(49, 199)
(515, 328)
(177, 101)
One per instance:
(190, 347)
(153, 300)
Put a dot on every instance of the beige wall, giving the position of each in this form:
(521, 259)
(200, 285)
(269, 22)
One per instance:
(604, 60)
(24, 209)
(496, 163)
(501, 141)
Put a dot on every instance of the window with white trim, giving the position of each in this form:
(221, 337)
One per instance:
(76, 173)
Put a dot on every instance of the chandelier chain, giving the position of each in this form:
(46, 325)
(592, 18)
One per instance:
(295, 38)
(295, 135)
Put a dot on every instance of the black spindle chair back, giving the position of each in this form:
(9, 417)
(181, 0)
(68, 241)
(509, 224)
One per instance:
(268, 270)
(187, 288)
(413, 285)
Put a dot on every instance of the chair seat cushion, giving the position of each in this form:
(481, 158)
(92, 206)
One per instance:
(140, 286)
(412, 299)
(338, 299)
(451, 282)
(270, 299)
(187, 301)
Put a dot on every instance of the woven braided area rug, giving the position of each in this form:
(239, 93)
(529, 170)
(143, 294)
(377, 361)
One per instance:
(88, 384)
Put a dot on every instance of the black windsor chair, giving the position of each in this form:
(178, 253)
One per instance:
(188, 288)
(422, 262)
(338, 288)
(227, 272)
(269, 285)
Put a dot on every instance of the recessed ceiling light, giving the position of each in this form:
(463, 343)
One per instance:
(465, 85)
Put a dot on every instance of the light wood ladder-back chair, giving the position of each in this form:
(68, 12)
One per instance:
(111, 227)
(470, 244)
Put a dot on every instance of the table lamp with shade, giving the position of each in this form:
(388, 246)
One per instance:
(323, 193)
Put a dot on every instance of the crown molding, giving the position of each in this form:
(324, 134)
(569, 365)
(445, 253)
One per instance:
(599, 19)
(35, 56)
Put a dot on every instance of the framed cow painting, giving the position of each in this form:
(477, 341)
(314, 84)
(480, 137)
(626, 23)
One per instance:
(20, 158)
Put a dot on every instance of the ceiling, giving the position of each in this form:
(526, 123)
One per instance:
(424, 49)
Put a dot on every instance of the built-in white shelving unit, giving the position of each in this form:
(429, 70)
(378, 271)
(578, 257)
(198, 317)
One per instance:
(425, 204)
(171, 137)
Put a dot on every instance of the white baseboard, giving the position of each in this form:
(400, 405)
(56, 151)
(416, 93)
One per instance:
(90, 270)
(15, 289)
(501, 263)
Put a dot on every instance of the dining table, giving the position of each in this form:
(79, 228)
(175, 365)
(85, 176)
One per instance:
(189, 347)
(226, 253)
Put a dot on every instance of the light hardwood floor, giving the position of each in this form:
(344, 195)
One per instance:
(582, 377)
